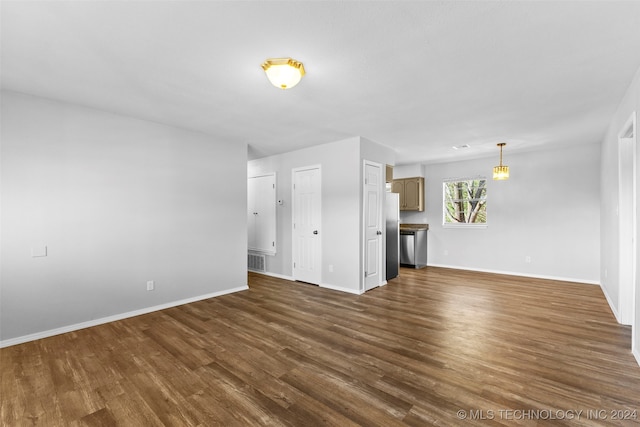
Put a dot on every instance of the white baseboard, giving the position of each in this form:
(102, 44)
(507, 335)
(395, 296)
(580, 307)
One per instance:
(322, 285)
(341, 289)
(512, 273)
(610, 302)
(121, 316)
(276, 275)
(636, 354)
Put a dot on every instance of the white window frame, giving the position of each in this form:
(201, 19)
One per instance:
(446, 224)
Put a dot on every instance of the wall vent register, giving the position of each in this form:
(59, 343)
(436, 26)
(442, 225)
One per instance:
(256, 262)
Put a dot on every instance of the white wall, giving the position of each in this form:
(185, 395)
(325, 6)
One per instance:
(609, 218)
(117, 201)
(408, 171)
(341, 164)
(548, 210)
(340, 209)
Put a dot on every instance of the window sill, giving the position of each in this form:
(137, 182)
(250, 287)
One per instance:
(461, 225)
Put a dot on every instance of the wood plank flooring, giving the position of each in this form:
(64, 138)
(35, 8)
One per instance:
(433, 347)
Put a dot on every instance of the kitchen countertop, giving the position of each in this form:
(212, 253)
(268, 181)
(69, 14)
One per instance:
(414, 227)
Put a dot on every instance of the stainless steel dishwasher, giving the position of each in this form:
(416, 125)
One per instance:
(413, 248)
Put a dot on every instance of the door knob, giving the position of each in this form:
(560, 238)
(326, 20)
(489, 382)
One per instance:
(379, 232)
(315, 231)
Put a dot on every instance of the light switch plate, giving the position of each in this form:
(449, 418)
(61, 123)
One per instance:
(39, 251)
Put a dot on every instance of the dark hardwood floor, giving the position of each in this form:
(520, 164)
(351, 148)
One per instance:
(433, 347)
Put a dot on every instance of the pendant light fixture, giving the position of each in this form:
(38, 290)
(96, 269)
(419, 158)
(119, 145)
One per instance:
(283, 73)
(501, 172)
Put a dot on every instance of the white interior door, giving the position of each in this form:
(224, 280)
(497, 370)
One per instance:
(372, 225)
(261, 213)
(252, 190)
(307, 218)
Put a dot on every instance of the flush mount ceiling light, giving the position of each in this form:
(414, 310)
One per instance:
(500, 172)
(283, 73)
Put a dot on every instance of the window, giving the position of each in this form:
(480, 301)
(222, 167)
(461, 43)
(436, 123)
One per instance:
(465, 202)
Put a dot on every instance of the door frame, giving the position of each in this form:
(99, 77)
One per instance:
(627, 225)
(293, 216)
(381, 189)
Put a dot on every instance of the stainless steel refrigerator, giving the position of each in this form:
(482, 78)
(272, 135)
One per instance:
(392, 210)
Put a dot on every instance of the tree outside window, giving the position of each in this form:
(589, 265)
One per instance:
(465, 202)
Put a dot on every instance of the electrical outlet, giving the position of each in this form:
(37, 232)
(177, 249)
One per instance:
(446, 252)
(151, 285)
(39, 251)
(527, 259)
(330, 268)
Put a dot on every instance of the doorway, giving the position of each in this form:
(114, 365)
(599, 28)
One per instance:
(627, 222)
(307, 220)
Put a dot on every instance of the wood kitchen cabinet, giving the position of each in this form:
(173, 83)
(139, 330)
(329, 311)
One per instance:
(389, 174)
(411, 192)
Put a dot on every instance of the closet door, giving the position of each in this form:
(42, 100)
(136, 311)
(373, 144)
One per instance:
(261, 213)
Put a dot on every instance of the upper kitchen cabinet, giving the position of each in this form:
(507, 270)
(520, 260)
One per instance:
(389, 174)
(261, 215)
(388, 179)
(411, 192)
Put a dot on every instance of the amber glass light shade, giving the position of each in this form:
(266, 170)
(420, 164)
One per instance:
(283, 73)
(501, 172)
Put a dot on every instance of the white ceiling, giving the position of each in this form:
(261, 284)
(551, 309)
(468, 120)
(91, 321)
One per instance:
(420, 77)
